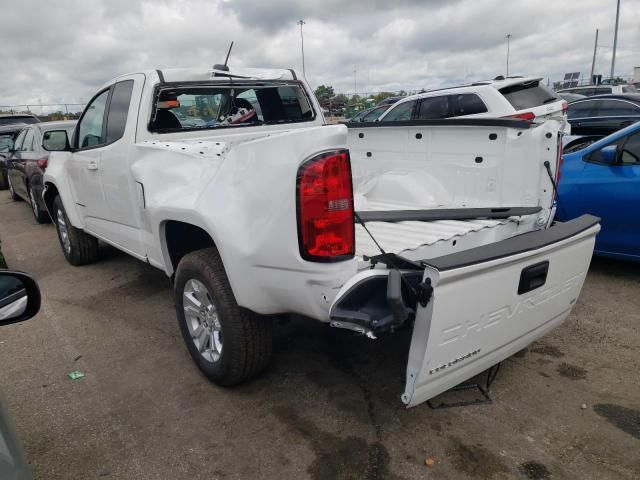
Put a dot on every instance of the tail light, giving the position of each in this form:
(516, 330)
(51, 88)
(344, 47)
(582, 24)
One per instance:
(43, 163)
(326, 231)
(523, 116)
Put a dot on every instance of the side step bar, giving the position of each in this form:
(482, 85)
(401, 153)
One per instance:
(431, 215)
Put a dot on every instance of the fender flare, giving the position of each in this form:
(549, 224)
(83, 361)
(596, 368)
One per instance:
(50, 192)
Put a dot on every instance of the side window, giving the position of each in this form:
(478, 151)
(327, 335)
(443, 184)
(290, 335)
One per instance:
(118, 110)
(400, 113)
(617, 108)
(602, 90)
(466, 104)
(582, 109)
(90, 129)
(630, 151)
(27, 146)
(582, 91)
(19, 141)
(434, 108)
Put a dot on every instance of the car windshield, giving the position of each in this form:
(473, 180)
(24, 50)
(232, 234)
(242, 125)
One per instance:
(213, 106)
(374, 114)
(528, 95)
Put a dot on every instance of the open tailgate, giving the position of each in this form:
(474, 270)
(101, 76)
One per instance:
(487, 303)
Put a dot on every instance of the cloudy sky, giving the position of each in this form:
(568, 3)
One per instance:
(61, 51)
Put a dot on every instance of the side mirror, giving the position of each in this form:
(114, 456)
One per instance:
(19, 297)
(56, 141)
(609, 154)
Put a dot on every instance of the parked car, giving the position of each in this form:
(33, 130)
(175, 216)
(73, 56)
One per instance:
(8, 134)
(19, 301)
(602, 177)
(591, 90)
(28, 161)
(603, 114)
(255, 215)
(369, 115)
(11, 118)
(512, 97)
(570, 97)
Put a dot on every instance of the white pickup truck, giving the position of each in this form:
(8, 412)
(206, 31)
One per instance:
(231, 183)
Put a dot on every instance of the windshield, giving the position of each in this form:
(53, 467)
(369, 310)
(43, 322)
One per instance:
(374, 114)
(528, 95)
(213, 106)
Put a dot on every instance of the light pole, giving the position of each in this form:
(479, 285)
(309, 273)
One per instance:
(301, 23)
(508, 38)
(354, 80)
(615, 41)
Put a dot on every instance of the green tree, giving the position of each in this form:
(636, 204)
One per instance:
(341, 98)
(324, 93)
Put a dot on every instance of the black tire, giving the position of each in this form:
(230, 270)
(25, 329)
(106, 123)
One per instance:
(83, 248)
(12, 193)
(4, 180)
(247, 338)
(40, 215)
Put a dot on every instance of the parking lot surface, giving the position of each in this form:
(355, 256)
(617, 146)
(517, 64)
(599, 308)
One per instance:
(328, 407)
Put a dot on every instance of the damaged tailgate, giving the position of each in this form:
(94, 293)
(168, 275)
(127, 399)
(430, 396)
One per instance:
(474, 308)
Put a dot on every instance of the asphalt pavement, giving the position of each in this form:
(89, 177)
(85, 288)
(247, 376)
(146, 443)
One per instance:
(328, 407)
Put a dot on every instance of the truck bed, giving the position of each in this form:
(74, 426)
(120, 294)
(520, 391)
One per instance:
(419, 240)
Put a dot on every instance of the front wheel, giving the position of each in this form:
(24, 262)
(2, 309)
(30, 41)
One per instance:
(228, 343)
(79, 248)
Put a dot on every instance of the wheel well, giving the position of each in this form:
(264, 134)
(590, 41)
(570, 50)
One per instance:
(50, 194)
(183, 238)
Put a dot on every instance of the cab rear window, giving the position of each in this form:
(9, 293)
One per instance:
(190, 107)
(528, 95)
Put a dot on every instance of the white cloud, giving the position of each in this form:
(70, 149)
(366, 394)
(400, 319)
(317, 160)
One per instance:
(62, 51)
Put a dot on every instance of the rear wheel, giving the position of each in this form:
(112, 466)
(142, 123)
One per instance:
(229, 344)
(12, 193)
(40, 215)
(79, 248)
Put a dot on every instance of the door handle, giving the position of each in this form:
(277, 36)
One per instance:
(533, 277)
(92, 166)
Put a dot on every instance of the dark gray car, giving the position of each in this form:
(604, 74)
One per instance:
(8, 135)
(28, 160)
(19, 301)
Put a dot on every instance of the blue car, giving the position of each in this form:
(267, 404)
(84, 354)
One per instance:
(601, 176)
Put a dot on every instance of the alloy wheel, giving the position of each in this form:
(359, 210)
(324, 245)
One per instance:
(202, 320)
(64, 231)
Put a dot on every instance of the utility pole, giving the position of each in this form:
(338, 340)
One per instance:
(615, 41)
(354, 80)
(301, 23)
(508, 38)
(593, 62)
